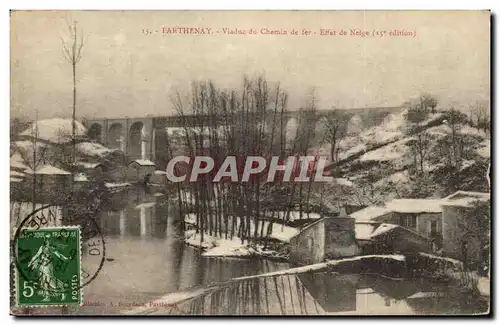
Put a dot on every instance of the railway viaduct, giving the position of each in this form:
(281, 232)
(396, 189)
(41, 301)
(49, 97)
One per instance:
(145, 137)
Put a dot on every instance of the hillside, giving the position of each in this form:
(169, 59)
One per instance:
(438, 155)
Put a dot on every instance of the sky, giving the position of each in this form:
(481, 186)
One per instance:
(125, 72)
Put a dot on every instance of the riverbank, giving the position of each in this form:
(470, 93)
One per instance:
(275, 246)
(220, 247)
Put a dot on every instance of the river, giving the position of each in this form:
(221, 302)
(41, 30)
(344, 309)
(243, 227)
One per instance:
(146, 259)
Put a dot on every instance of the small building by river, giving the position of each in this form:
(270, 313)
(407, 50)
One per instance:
(140, 170)
(456, 241)
(324, 239)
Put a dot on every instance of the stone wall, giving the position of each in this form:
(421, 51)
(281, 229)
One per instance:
(308, 247)
(340, 238)
(327, 238)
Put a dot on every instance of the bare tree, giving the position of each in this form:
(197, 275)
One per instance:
(72, 52)
(420, 145)
(33, 156)
(428, 101)
(480, 116)
(334, 125)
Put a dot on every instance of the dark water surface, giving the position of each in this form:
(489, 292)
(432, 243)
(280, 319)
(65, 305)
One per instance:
(146, 259)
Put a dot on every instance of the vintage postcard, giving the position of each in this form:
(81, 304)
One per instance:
(250, 163)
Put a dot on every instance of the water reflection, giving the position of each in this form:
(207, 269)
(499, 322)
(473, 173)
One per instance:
(333, 294)
(369, 294)
(147, 257)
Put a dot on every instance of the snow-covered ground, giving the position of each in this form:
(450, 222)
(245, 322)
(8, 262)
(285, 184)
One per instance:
(279, 232)
(221, 247)
(395, 152)
(216, 246)
(391, 128)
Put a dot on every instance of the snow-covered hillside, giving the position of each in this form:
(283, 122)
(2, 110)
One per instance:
(55, 130)
(386, 160)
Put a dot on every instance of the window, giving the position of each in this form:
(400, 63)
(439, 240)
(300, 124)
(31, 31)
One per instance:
(408, 221)
(432, 228)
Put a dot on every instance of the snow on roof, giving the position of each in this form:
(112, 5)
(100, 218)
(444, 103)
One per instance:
(145, 205)
(160, 172)
(93, 149)
(364, 230)
(464, 194)
(47, 170)
(414, 205)
(448, 259)
(16, 179)
(369, 213)
(14, 173)
(465, 198)
(144, 162)
(16, 161)
(27, 145)
(56, 130)
(382, 229)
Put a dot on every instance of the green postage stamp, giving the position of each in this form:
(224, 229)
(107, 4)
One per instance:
(48, 267)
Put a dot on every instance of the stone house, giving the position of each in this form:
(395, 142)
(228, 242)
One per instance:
(421, 216)
(325, 239)
(140, 170)
(456, 241)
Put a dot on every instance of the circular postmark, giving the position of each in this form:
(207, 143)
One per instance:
(42, 250)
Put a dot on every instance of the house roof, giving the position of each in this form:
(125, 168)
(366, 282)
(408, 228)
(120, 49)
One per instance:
(16, 161)
(382, 229)
(414, 205)
(465, 198)
(369, 213)
(17, 174)
(48, 170)
(144, 162)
